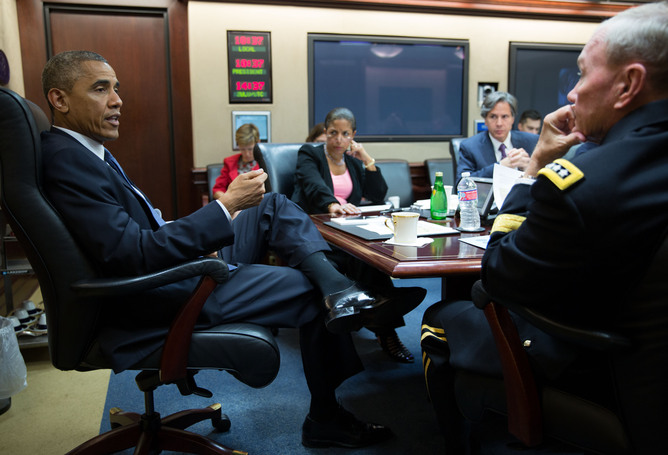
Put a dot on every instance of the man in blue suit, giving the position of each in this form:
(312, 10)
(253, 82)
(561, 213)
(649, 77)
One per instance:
(478, 154)
(124, 236)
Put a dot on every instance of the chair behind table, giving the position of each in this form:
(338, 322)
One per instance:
(212, 173)
(397, 175)
(444, 165)
(454, 156)
(279, 161)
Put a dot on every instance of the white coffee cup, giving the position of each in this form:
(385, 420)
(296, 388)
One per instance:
(404, 226)
(453, 202)
(395, 201)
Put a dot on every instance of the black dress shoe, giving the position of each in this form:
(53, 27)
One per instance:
(343, 430)
(399, 301)
(393, 347)
(347, 308)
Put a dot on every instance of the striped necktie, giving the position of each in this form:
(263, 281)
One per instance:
(155, 213)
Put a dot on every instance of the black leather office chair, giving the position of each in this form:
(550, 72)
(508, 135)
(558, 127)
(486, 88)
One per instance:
(279, 161)
(74, 295)
(212, 173)
(454, 156)
(440, 164)
(638, 360)
(397, 174)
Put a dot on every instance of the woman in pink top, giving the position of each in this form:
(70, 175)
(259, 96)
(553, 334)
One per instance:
(333, 177)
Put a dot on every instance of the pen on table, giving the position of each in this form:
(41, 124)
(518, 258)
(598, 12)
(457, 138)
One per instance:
(361, 217)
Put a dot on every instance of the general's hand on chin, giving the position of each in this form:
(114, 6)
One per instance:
(557, 136)
(561, 131)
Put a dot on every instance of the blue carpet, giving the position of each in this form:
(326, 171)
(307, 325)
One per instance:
(268, 421)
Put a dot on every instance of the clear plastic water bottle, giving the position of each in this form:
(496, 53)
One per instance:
(439, 200)
(469, 217)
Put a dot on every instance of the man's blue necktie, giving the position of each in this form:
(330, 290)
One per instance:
(109, 158)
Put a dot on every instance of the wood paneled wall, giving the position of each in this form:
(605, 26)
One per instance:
(593, 11)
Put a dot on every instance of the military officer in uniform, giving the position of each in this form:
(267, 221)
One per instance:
(574, 238)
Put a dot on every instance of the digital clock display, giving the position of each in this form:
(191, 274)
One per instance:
(249, 64)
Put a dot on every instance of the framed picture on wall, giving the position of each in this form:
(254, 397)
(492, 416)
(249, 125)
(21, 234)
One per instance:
(261, 119)
(541, 75)
(479, 126)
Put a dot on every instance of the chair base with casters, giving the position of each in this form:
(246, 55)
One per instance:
(247, 351)
(150, 433)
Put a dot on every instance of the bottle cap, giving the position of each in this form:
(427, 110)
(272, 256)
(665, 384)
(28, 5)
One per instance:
(438, 174)
(465, 174)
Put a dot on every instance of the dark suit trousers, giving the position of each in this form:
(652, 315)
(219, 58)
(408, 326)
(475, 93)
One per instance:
(266, 295)
(281, 226)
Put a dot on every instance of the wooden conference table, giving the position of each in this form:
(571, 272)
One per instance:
(456, 263)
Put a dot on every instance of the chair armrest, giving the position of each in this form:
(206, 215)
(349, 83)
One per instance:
(109, 287)
(522, 402)
(582, 336)
(174, 360)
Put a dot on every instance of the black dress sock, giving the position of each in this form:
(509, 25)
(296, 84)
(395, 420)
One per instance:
(323, 408)
(323, 274)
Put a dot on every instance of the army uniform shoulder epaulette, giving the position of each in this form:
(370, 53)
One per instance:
(562, 173)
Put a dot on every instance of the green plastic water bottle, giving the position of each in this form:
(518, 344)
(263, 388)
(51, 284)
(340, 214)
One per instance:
(439, 200)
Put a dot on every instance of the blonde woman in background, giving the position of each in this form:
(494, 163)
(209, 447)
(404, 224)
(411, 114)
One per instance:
(247, 135)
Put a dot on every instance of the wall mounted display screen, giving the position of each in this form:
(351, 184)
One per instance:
(249, 66)
(400, 89)
(541, 75)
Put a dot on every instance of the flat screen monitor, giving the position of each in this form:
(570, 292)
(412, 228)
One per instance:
(399, 89)
(542, 75)
(485, 195)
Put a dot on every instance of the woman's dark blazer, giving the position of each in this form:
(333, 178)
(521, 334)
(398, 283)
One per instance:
(314, 189)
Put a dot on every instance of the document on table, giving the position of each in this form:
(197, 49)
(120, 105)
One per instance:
(480, 241)
(373, 208)
(374, 227)
(503, 180)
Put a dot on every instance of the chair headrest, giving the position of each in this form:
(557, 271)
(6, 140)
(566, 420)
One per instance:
(280, 163)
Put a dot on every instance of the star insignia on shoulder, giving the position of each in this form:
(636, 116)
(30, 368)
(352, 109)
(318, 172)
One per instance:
(562, 173)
